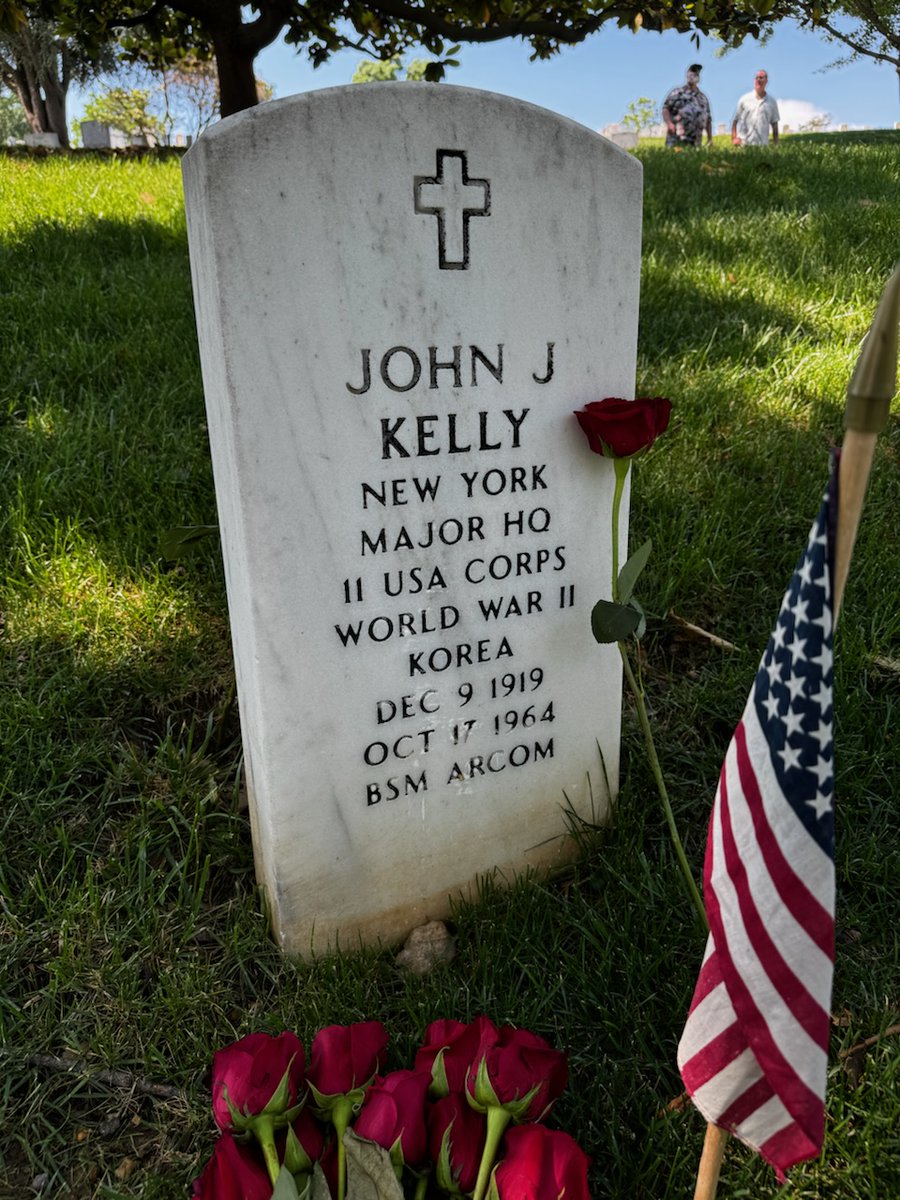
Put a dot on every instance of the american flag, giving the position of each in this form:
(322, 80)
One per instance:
(753, 1053)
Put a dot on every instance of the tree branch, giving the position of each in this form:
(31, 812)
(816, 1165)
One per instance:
(857, 47)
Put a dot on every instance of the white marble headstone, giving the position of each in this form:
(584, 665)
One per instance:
(402, 291)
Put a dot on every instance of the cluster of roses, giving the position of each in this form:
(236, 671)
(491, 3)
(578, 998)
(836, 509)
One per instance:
(465, 1121)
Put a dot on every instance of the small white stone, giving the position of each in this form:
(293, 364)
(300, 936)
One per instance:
(427, 947)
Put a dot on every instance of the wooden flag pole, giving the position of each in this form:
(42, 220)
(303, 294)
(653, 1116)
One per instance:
(868, 406)
(869, 397)
(710, 1162)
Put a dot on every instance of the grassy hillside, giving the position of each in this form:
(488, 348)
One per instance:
(132, 938)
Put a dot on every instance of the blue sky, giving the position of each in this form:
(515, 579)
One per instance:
(593, 83)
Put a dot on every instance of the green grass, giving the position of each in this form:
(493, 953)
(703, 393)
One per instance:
(131, 932)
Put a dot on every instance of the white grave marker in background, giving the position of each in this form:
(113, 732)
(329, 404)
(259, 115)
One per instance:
(402, 291)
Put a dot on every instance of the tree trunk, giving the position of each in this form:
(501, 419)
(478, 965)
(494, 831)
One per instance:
(55, 108)
(237, 81)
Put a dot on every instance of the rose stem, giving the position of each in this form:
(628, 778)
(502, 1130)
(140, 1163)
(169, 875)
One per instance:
(622, 466)
(638, 693)
(264, 1130)
(497, 1121)
(340, 1118)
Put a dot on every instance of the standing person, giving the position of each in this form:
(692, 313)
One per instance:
(755, 115)
(686, 112)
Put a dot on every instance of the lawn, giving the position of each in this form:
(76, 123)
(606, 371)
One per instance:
(133, 941)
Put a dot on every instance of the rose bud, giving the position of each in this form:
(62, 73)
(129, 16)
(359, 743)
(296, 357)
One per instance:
(393, 1116)
(448, 1051)
(344, 1059)
(517, 1071)
(540, 1164)
(305, 1143)
(233, 1173)
(257, 1076)
(456, 1134)
(343, 1062)
(623, 428)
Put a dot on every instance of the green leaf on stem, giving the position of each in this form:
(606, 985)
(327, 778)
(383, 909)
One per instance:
(285, 1188)
(642, 624)
(614, 622)
(630, 573)
(370, 1172)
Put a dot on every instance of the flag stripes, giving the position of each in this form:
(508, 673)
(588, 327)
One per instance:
(753, 1054)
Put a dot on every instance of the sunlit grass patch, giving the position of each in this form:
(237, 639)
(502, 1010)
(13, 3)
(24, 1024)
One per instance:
(132, 935)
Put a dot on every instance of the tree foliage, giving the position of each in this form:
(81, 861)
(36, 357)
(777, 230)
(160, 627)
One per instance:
(378, 70)
(12, 119)
(868, 28)
(641, 114)
(234, 33)
(38, 63)
(126, 109)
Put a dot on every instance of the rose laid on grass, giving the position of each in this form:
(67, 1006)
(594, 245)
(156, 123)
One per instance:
(448, 1051)
(517, 1071)
(623, 428)
(258, 1088)
(234, 1172)
(343, 1061)
(393, 1116)
(456, 1134)
(304, 1144)
(540, 1164)
(516, 1076)
(259, 1074)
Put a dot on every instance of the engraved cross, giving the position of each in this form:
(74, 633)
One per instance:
(453, 198)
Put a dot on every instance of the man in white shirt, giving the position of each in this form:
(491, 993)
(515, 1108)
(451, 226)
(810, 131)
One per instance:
(756, 113)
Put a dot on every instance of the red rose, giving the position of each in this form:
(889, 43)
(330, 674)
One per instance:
(393, 1115)
(448, 1051)
(456, 1134)
(233, 1173)
(540, 1164)
(305, 1143)
(344, 1058)
(258, 1074)
(517, 1071)
(622, 428)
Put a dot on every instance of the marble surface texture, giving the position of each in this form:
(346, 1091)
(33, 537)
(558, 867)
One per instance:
(402, 292)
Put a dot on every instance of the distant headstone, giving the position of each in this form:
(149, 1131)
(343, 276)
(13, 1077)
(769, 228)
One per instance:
(626, 139)
(49, 140)
(97, 135)
(402, 292)
(721, 128)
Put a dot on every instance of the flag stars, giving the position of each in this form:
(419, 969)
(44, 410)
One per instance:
(773, 670)
(823, 733)
(790, 756)
(793, 722)
(821, 804)
(805, 571)
(824, 583)
(824, 623)
(822, 698)
(823, 660)
(771, 706)
(796, 649)
(799, 608)
(795, 686)
(823, 770)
